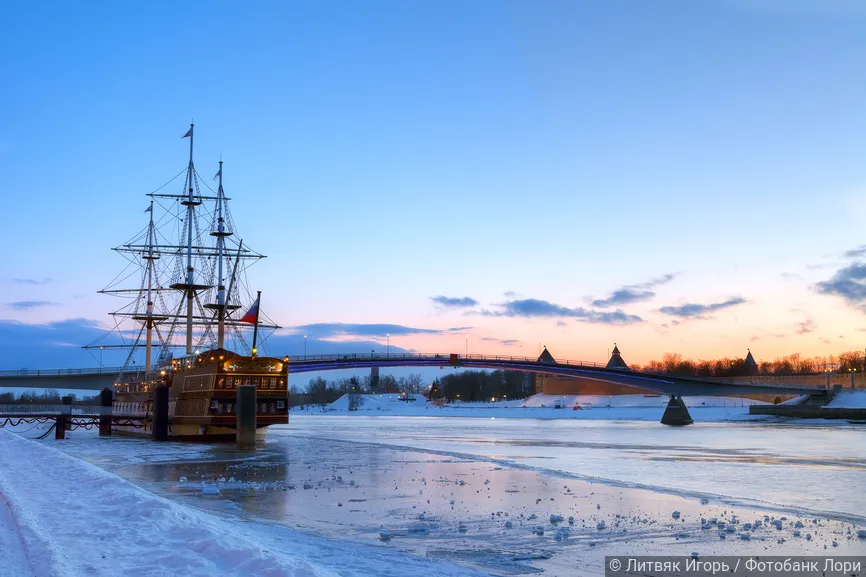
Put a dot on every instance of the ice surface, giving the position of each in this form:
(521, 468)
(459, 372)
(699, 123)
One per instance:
(387, 471)
(65, 517)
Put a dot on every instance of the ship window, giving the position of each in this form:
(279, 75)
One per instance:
(229, 382)
(246, 380)
(281, 404)
(228, 407)
(273, 382)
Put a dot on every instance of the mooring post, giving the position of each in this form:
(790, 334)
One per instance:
(160, 413)
(105, 398)
(245, 424)
(64, 418)
(676, 413)
(67, 409)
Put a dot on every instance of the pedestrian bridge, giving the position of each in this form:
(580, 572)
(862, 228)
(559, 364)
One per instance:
(101, 377)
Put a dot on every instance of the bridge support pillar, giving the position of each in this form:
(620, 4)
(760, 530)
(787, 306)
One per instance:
(160, 413)
(105, 397)
(245, 424)
(676, 413)
(374, 378)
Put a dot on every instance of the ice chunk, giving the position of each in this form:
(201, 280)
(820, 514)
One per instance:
(745, 536)
(508, 525)
(600, 525)
(675, 514)
(861, 533)
(556, 519)
(384, 535)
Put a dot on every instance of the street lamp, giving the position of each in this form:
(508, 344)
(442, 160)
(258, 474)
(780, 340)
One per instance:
(467, 345)
(389, 342)
(305, 347)
(100, 359)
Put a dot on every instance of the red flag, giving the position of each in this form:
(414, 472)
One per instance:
(188, 133)
(252, 315)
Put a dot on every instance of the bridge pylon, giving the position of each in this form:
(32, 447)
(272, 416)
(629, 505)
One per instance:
(676, 413)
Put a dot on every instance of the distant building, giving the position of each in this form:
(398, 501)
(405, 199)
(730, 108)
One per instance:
(546, 358)
(561, 385)
(750, 365)
(616, 361)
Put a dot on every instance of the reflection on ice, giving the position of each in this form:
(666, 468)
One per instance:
(430, 487)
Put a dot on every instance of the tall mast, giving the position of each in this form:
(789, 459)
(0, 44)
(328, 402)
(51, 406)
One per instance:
(149, 314)
(221, 289)
(190, 270)
(148, 319)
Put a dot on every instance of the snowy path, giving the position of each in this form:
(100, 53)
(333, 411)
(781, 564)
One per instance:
(14, 562)
(74, 518)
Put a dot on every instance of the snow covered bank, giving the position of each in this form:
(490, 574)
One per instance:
(61, 516)
(850, 399)
(615, 407)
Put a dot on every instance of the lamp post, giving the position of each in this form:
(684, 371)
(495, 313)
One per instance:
(389, 343)
(467, 345)
(100, 360)
(305, 347)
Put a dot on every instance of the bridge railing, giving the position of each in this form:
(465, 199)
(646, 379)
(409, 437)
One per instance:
(445, 357)
(61, 372)
(52, 409)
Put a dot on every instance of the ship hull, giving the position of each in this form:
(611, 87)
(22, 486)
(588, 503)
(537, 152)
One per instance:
(203, 397)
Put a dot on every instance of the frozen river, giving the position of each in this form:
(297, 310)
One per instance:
(517, 496)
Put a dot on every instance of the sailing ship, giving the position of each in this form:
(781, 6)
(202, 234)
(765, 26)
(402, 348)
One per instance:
(190, 265)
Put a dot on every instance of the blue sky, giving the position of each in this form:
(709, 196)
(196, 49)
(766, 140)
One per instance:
(673, 176)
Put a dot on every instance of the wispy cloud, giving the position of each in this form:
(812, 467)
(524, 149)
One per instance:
(855, 252)
(848, 283)
(31, 281)
(561, 324)
(535, 308)
(356, 330)
(699, 311)
(27, 305)
(805, 327)
(505, 342)
(633, 293)
(454, 302)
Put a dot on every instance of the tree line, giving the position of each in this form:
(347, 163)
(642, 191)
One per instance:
(794, 364)
(483, 385)
(44, 397)
(320, 391)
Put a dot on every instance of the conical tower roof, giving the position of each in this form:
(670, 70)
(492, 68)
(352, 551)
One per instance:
(546, 358)
(616, 361)
(750, 364)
